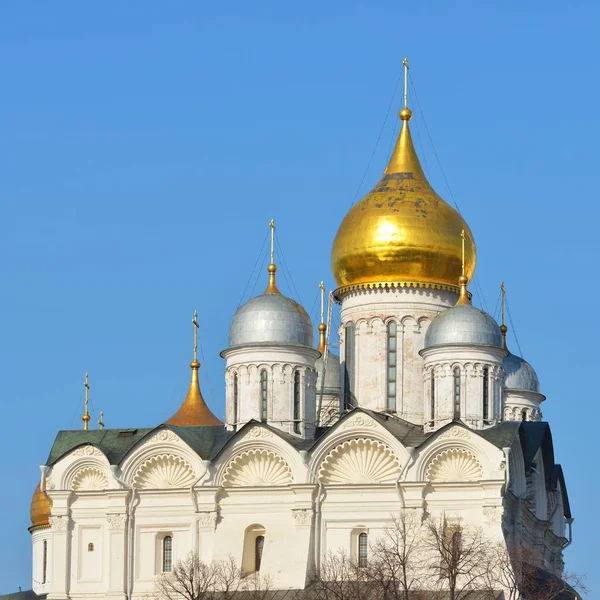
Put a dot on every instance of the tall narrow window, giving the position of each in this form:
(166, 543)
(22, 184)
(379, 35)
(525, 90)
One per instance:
(235, 398)
(486, 394)
(457, 392)
(44, 561)
(297, 402)
(362, 550)
(264, 389)
(167, 554)
(392, 345)
(432, 394)
(524, 415)
(349, 366)
(259, 544)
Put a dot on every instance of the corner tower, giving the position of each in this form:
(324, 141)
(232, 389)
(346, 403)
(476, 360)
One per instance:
(397, 264)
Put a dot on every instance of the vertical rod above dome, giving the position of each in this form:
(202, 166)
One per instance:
(406, 67)
(463, 280)
(272, 268)
(503, 327)
(322, 325)
(86, 412)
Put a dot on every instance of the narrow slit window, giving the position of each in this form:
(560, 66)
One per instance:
(432, 393)
(457, 393)
(259, 544)
(45, 561)
(167, 554)
(296, 402)
(486, 394)
(90, 547)
(362, 550)
(235, 398)
(349, 366)
(392, 346)
(264, 390)
(524, 415)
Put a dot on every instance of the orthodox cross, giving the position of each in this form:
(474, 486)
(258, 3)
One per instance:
(322, 288)
(503, 290)
(462, 236)
(86, 412)
(406, 67)
(101, 420)
(196, 326)
(272, 226)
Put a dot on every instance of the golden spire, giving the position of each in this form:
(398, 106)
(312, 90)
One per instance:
(322, 326)
(194, 411)
(272, 268)
(463, 280)
(86, 413)
(101, 420)
(503, 327)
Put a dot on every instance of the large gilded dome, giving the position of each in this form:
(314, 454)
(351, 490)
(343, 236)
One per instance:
(402, 232)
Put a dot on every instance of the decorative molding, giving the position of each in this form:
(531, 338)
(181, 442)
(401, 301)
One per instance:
(257, 467)
(88, 450)
(164, 435)
(302, 516)
(116, 521)
(492, 514)
(260, 432)
(454, 464)
(207, 519)
(359, 421)
(360, 461)
(456, 432)
(59, 523)
(89, 479)
(165, 471)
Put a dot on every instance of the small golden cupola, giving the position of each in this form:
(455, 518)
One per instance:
(194, 410)
(401, 233)
(40, 509)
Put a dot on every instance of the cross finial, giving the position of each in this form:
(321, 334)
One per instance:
(503, 327)
(503, 290)
(101, 420)
(462, 236)
(86, 413)
(322, 288)
(196, 326)
(272, 226)
(406, 67)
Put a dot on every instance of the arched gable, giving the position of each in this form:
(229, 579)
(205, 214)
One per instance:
(84, 468)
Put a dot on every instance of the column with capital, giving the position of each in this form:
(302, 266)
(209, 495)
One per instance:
(60, 525)
(115, 544)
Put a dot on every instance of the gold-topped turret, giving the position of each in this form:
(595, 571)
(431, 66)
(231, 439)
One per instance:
(86, 412)
(401, 233)
(194, 411)
(322, 326)
(272, 268)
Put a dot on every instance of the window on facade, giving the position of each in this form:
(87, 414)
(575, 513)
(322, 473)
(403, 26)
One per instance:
(264, 389)
(524, 415)
(432, 394)
(167, 554)
(349, 366)
(296, 402)
(90, 547)
(362, 549)
(259, 544)
(235, 398)
(44, 561)
(392, 346)
(486, 393)
(457, 393)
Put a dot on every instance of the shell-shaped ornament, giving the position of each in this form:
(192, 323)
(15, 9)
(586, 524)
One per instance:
(164, 472)
(360, 461)
(89, 479)
(454, 464)
(257, 467)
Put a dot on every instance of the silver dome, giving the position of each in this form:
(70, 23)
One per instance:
(332, 375)
(463, 324)
(520, 375)
(271, 318)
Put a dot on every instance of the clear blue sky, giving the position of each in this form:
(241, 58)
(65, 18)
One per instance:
(145, 146)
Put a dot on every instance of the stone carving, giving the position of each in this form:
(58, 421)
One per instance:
(207, 519)
(164, 471)
(454, 464)
(358, 421)
(89, 479)
(360, 461)
(302, 516)
(492, 514)
(116, 521)
(257, 467)
(260, 432)
(59, 523)
(88, 450)
(455, 432)
(164, 435)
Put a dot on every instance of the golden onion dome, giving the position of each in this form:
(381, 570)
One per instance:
(402, 233)
(40, 509)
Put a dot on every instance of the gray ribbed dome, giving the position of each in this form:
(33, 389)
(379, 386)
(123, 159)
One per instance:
(271, 318)
(463, 324)
(520, 375)
(332, 375)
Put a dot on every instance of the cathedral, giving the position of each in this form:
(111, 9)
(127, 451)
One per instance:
(425, 409)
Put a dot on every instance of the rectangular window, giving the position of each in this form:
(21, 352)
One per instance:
(349, 367)
(362, 550)
(264, 391)
(486, 394)
(296, 402)
(392, 346)
(167, 554)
